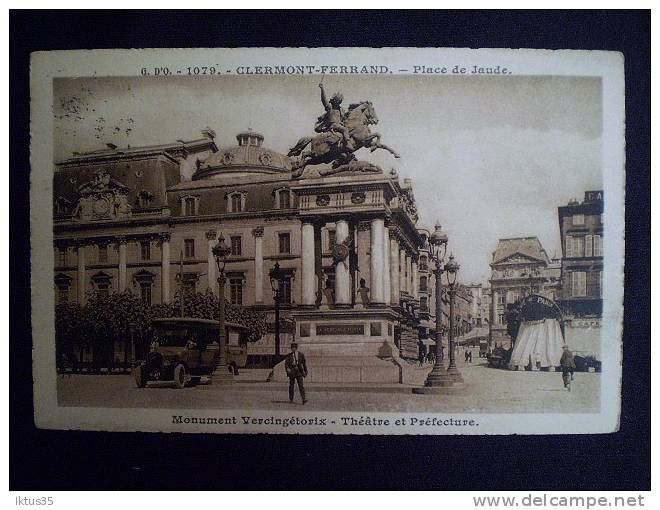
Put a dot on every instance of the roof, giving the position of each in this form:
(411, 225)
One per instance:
(526, 246)
(248, 157)
(180, 148)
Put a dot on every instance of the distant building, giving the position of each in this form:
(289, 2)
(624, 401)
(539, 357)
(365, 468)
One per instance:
(581, 230)
(519, 266)
(581, 297)
(476, 311)
(465, 301)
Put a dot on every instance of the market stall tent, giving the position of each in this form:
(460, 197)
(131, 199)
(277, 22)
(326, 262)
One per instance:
(538, 345)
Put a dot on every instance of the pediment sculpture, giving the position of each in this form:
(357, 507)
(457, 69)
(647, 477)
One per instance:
(102, 198)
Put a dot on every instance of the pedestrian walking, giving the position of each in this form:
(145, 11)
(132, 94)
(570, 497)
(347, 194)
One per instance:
(296, 370)
(567, 363)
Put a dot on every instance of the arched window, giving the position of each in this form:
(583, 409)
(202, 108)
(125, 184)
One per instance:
(282, 198)
(189, 205)
(236, 201)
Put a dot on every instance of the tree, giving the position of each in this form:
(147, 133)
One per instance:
(114, 317)
(68, 331)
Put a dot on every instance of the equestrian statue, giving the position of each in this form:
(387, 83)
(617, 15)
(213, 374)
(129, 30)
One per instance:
(340, 134)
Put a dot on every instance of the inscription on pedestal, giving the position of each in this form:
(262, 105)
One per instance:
(340, 329)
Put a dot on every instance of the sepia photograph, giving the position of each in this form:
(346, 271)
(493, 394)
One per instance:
(334, 248)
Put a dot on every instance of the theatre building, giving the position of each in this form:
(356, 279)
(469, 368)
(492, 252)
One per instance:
(520, 266)
(125, 218)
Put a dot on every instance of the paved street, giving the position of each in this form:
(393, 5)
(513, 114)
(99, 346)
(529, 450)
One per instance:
(488, 390)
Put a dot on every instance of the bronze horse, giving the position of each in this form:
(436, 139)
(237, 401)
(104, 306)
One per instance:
(328, 147)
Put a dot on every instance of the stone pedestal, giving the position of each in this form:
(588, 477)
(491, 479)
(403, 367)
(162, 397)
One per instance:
(347, 346)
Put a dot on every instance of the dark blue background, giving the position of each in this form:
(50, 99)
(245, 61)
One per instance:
(47, 460)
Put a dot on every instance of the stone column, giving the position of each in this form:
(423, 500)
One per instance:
(342, 273)
(121, 247)
(377, 294)
(211, 236)
(258, 234)
(81, 274)
(395, 279)
(402, 272)
(309, 280)
(387, 284)
(494, 297)
(409, 286)
(415, 280)
(165, 268)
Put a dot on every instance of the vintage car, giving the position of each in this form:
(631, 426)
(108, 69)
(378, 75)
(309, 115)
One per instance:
(185, 349)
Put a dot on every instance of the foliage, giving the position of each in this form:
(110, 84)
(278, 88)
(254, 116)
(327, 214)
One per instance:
(107, 318)
(68, 327)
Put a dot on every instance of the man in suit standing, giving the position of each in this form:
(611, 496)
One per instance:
(296, 369)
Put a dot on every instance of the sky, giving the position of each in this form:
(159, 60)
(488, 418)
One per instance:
(489, 157)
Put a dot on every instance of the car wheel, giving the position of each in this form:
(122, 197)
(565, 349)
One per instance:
(180, 377)
(140, 376)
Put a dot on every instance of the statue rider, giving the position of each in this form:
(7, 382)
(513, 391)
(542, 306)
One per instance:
(333, 118)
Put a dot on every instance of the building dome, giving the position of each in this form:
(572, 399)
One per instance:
(249, 157)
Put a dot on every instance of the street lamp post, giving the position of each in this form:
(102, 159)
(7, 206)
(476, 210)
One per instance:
(276, 279)
(438, 376)
(451, 269)
(221, 373)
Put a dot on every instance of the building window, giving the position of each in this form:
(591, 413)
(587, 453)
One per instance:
(63, 283)
(423, 284)
(578, 219)
(145, 280)
(62, 256)
(501, 319)
(145, 293)
(189, 248)
(588, 245)
(104, 289)
(423, 263)
(501, 298)
(235, 202)
(284, 239)
(63, 294)
(423, 303)
(285, 199)
(145, 250)
(578, 284)
(103, 252)
(574, 246)
(285, 290)
(598, 246)
(190, 206)
(332, 239)
(189, 283)
(144, 198)
(102, 283)
(236, 291)
(236, 248)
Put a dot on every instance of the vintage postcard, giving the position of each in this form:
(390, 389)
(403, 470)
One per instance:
(333, 240)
